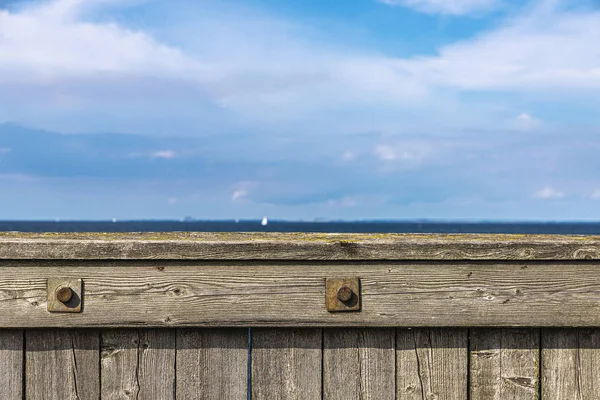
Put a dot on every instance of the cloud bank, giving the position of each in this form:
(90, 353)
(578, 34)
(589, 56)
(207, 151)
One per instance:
(236, 100)
(269, 72)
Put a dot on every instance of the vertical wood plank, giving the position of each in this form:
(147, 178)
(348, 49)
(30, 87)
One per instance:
(505, 364)
(11, 364)
(286, 364)
(62, 364)
(86, 362)
(120, 378)
(138, 364)
(359, 364)
(432, 363)
(570, 363)
(212, 364)
(157, 364)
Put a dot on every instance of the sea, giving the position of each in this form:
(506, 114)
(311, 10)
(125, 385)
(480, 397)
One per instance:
(516, 227)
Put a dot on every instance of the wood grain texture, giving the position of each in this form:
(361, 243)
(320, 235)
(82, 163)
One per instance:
(570, 364)
(138, 364)
(212, 364)
(296, 246)
(120, 364)
(11, 364)
(286, 364)
(359, 364)
(157, 364)
(504, 364)
(62, 364)
(432, 364)
(248, 294)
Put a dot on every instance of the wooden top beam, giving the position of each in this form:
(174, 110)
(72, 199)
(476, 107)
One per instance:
(294, 246)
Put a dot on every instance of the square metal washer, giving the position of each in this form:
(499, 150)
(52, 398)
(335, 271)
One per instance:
(332, 285)
(73, 305)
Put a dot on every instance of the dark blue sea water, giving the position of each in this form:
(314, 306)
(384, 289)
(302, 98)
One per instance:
(581, 228)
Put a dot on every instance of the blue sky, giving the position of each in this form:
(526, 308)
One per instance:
(395, 109)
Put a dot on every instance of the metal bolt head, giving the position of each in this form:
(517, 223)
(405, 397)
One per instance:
(64, 294)
(344, 293)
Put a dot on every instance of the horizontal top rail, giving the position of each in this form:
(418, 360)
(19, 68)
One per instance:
(294, 246)
(84, 280)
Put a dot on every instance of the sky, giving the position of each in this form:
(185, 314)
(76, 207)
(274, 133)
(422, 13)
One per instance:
(361, 109)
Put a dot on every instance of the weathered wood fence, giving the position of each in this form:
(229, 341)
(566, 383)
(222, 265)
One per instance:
(236, 316)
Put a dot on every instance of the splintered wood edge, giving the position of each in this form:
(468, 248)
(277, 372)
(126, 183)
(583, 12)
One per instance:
(294, 246)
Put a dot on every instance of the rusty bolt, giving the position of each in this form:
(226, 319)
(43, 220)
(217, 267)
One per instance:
(344, 294)
(64, 294)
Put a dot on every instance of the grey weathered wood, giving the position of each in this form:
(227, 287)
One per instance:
(431, 363)
(138, 364)
(467, 294)
(286, 364)
(156, 373)
(120, 364)
(570, 363)
(62, 364)
(212, 364)
(11, 364)
(296, 246)
(359, 364)
(505, 364)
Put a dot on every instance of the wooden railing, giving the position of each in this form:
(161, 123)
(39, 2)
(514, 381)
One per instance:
(233, 316)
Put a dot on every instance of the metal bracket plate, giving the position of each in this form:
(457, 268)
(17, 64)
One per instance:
(74, 298)
(342, 294)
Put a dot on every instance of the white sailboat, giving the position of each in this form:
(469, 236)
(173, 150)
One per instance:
(264, 221)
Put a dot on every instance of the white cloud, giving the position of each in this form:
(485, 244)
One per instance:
(409, 152)
(548, 193)
(241, 190)
(46, 43)
(524, 117)
(166, 154)
(454, 7)
(595, 195)
(526, 122)
(239, 195)
(386, 153)
(172, 201)
(349, 156)
(546, 49)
